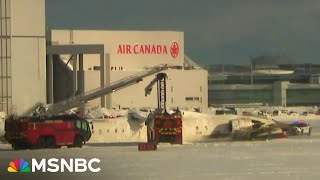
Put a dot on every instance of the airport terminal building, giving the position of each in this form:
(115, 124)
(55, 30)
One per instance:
(268, 80)
(127, 53)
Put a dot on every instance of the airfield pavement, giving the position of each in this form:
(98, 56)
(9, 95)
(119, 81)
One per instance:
(292, 158)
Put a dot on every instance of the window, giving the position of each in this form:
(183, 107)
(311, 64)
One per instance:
(84, 126)
(192, 98)
(97, 68)
(200, 88)
(78, 124)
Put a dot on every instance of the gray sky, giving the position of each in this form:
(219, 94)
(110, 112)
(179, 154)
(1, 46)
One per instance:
(216, 31)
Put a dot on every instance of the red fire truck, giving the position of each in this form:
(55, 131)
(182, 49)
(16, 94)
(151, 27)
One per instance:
(161, 125)
(168, 128)
(47, 132)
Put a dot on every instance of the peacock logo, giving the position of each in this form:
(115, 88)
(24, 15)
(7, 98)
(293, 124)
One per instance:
(18, 165)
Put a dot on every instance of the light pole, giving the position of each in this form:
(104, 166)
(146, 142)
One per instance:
(251, 73)
(251, 80)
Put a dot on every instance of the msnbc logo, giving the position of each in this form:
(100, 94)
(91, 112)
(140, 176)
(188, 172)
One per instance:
(18, 165)
(76, 165)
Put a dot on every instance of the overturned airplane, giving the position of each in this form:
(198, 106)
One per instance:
(250, 128)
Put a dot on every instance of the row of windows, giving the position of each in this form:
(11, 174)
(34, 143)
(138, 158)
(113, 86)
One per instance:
(190, 99)
(115, 68)
(193, 99)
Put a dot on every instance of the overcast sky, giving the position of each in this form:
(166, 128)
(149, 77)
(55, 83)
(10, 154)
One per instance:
(216, 31)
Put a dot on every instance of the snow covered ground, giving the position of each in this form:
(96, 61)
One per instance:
(292, 158)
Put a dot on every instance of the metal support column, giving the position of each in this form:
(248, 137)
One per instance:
(75, 76)
(1, 60)
(50, 78)
(81, 80)
(81, 75)
(102, 77)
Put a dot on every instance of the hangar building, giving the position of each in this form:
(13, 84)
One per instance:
(127, 53)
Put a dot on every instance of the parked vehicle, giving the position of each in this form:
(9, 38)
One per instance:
(161, 125)
(295, 128)
(299, 128)
(47, 132)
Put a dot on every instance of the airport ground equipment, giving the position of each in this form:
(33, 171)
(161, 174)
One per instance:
(147, 146)
(81, 99)
(46, 132)
(43, 127)
(163, 126)
(297, 128)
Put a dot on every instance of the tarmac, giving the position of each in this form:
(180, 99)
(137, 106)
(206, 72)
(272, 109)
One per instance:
(292, 158)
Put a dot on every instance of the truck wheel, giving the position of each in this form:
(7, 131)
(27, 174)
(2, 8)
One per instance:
(41, 143)
(51, 142)
(16, 146)
(78, 141)
(20, 145)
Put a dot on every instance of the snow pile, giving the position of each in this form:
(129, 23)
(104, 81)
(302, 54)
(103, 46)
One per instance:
(105, 113)
(2, 119)
(135, 114)
(119, 129)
